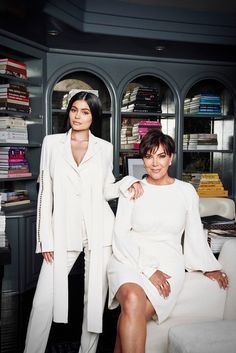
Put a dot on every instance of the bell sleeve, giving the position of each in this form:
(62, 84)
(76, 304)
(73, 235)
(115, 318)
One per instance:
(197, 252)
(44, 230)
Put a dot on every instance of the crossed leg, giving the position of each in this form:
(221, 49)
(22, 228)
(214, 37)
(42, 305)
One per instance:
(136, 310)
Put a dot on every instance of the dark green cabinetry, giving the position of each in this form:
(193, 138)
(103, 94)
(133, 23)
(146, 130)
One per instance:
(23, 271)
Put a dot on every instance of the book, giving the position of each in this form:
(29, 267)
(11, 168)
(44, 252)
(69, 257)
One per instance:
(223, 232)
(14, 86)
(15, 203)
(13, 62)
(216, 242)
(14, 69)
(13, 73)
(217, 219)
(14, 107)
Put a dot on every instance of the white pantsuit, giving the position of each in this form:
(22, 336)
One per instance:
(39, 325)
(72, 199)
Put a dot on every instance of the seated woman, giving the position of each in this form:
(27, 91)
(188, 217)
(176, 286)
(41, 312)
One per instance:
(147, 269)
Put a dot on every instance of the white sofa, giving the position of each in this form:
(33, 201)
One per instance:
(201, 300)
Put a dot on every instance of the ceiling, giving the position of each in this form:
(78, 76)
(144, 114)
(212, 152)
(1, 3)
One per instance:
(198, 30)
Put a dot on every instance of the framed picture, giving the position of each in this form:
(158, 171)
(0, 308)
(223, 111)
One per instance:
(135, 168)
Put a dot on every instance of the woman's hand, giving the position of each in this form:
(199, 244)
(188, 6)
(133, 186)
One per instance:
(160, 280)
(218, 276)
(136, 189)
(48, 256)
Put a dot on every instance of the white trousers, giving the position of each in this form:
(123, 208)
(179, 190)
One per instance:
(41, 314)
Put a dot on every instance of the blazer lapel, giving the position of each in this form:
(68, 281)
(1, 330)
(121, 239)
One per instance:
(66, 150)
(93, 148)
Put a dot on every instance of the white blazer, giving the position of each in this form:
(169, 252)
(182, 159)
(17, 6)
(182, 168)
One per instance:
(61, 182)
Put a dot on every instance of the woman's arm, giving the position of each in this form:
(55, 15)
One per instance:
(197, 252)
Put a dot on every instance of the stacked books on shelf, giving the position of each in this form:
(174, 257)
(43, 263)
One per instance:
(13, 163)
(13, 67)
(3, 238)
(14, 198)
(206, 184)
(142, 99)
(219, 230)
(13, 130)
(217, 237)
(14, 97)
(128, 136)
(132, 133)
(200, 141)
(203, 103)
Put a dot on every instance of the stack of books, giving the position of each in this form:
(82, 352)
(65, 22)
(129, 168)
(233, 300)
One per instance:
(132, 134)
(211, 185)
(143, 127)
(129, 135)
(206, 184)
(13, 130)
(13, 67)
(220, 229)
(142, 99)
(203, 103)
(200, 141)
(217, 238)
(14, 97)
(13, 163)
(14, 197)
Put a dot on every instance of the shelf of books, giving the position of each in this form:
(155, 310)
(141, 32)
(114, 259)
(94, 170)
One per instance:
(72, 83)
(208, 134)
(20, 136)
(147, 103)
(219, 229)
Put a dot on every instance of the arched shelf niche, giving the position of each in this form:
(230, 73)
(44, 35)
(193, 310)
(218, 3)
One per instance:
(208, 134)
(147, 101)
(81, 80)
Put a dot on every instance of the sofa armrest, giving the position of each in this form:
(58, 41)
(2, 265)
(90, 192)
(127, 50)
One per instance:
(222, 206)
(227, 258)
(200, 297)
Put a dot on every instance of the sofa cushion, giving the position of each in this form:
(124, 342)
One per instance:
(157, 335)
(228, 260)
(204, 337)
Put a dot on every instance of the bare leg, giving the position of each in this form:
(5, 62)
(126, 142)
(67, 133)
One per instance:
(136, 310)
(117, 348)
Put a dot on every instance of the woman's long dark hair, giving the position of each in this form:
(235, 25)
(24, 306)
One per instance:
(95, 107)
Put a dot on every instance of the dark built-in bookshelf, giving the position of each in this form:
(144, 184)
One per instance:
(21, 121)
(202, 123)
(209, 123)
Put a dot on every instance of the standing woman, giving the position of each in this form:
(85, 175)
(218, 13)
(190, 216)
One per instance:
(73, 215)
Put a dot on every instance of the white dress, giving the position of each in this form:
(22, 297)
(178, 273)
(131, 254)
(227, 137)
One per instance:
(147, 237)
